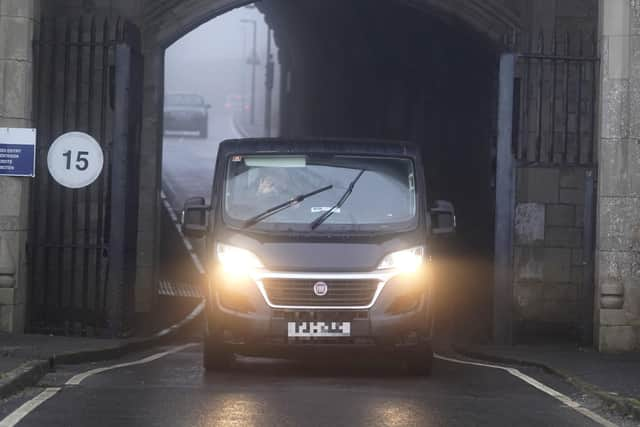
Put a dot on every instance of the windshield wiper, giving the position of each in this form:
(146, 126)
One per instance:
(322, 218)
(274, 210)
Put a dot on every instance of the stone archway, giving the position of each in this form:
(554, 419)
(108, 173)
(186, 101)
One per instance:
(165, 22)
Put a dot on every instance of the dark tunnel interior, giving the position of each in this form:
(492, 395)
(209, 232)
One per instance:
(383, 69)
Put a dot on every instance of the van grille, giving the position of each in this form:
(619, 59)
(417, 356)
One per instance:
(340, 293)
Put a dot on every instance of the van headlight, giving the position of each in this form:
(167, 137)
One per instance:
(408, 260)
(236, 261)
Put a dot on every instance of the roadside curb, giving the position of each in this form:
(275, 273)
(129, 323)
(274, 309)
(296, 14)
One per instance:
(622, 405)
(29, 373)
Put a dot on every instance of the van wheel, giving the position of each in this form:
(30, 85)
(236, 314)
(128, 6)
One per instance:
(420, 361)
(214, 356)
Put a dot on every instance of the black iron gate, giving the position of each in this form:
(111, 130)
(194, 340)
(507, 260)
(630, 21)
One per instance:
(555, 127)
(82, 242)
(556, 89)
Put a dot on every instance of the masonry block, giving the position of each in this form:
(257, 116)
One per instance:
(16, 76)
(615, 107)
(616, 265)
(18, 8)
(6, 296)
(529, 223)
(561, 215)
(6, 318)
(613, 318)
(614, 339)
(619, 224)
(11, 190)
(618, 56)
(620, 168)
(635, 54)
(538, 185)
(15, 36)
(572, 178)
(570, 196)
(565, 237)
(557, 265)
(529, 301)
(529, 264)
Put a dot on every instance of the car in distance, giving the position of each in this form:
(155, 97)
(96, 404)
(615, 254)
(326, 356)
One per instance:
(186, 114)
(235, 103)
(318, 246)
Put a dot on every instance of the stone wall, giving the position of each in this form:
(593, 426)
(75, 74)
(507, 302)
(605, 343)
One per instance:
(556, 134)
(618, 249)
(548, 256)
(17, 24)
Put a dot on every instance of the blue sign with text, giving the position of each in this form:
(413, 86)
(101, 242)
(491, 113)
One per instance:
(17, 152)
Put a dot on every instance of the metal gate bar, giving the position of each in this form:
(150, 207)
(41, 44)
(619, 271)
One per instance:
(556, 79)
(70, 232)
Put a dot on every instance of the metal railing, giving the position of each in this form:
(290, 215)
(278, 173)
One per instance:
(85, 75)
(555, 100)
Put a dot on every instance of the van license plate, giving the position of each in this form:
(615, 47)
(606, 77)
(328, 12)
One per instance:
(319, 329)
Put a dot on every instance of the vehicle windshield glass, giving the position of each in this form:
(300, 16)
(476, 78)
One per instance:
(382, 198)
(184, 100)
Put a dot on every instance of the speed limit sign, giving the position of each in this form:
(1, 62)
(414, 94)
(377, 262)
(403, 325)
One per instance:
(75, 160)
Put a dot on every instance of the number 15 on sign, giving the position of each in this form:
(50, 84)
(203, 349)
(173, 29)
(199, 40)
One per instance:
(75, 160)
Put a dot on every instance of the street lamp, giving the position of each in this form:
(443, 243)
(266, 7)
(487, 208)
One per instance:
(268, 86)
(254, 62)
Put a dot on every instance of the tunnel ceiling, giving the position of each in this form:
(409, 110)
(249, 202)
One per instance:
(165, 21)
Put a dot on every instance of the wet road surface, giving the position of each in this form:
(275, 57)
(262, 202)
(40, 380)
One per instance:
(175, 391)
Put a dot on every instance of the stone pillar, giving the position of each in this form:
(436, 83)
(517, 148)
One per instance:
(18, 19)
(618, 249)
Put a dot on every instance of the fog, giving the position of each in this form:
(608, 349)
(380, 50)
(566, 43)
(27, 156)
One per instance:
(212, 60)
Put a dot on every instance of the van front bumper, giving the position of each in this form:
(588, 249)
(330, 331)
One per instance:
(398, 315)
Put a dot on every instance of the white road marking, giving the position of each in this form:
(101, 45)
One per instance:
(566, 400)
(195, 313)
(16, 416)
(185, 241)
(26, 408)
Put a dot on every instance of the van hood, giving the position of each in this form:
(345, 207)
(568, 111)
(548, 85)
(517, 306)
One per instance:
(316, 256)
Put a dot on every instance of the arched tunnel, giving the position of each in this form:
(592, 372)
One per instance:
(389, 70)
(386, 70)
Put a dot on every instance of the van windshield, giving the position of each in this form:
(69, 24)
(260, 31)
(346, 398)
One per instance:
(320, 192)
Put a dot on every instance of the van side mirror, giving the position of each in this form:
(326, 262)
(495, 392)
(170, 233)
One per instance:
(194, 221)
(443, 218)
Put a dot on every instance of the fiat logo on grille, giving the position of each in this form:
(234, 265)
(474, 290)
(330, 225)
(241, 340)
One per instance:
(320, 289)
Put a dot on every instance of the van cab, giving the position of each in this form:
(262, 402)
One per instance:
(319, 246)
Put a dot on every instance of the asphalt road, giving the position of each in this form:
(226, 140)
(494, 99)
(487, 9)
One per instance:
(175, 391)
(188, 162)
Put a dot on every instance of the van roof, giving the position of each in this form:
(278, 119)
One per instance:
(320, 145)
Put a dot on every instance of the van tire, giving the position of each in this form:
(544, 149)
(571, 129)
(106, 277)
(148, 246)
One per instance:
(420, 361)
(214, 356)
